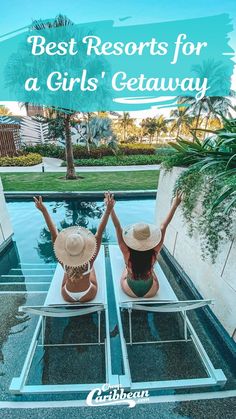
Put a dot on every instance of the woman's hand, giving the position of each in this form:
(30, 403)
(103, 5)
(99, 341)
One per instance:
(178, 198)
(39, 203)
(109, 201)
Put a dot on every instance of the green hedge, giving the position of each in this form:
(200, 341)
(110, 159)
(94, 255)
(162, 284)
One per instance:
(119, 161)
(165, 152)
(81, 152)
(46, 150)
(136, 149)
(26, 160)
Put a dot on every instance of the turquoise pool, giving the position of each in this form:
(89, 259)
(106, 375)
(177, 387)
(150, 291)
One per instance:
(31, 235)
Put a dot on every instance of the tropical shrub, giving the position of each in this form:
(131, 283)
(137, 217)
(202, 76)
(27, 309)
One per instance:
(208, 183)
(46, 150)
(164, 152)
(135, 149)
(25, 160)
(81, 152)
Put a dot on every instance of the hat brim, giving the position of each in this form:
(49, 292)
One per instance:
(75, 260)
(142, 245)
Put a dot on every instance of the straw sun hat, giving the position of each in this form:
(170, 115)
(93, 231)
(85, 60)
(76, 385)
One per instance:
(75, 246)
(142, 236)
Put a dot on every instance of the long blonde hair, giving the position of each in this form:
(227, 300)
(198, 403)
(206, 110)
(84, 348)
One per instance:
(76, 272)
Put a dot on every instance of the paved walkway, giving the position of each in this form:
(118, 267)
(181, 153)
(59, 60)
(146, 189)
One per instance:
(216, 408)
(54, 165)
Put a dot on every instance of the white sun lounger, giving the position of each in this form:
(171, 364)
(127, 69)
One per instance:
(164, 301)
(56, 306)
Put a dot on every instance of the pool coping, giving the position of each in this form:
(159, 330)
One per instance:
(225, 339)
(170, 398)
(149, 193)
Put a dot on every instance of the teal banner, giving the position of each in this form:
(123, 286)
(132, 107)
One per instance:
(99, 66)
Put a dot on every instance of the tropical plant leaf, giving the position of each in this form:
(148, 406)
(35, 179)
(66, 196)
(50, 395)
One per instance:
(176, 146)
(226, 173)
(229, 190)
(231, 205)
(230, 160)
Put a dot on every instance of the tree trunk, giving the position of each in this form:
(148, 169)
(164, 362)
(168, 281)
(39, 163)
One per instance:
(124, 133)
(206, 125)
(27, 108)
(198, 117)
(70, 173)
(178, 130)
(88, 134)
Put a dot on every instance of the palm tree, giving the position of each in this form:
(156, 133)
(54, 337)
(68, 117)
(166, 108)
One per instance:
(152, 126)
(125, 122)
(66, 106)
(179, 117)
(216, 105)
(208, 106)
(67, 114)
(216, 74)
(161, 126)
(4, 110)
(149, 126)
(15, 77)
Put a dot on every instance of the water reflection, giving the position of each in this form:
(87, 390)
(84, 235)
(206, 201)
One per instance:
(79, 213)
(33, 239)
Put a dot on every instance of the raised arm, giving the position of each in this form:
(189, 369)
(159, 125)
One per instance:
(119, 232)
(176, 201)
(109, 202)
(51, 226)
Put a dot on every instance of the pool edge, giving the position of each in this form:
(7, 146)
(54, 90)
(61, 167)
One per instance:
(150, 193)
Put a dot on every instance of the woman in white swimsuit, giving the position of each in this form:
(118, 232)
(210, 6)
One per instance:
(76, 248)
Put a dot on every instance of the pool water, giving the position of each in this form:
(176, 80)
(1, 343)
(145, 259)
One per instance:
(33, 239)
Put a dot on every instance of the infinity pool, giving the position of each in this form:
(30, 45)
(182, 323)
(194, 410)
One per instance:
(31, 235)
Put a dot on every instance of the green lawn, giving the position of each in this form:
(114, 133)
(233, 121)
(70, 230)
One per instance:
(90, 181)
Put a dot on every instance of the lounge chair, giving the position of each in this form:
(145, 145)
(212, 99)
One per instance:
(55, 306)
(164, 301)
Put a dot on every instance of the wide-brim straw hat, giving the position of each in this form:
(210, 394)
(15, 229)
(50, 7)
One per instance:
(142, 236)
(75, 246)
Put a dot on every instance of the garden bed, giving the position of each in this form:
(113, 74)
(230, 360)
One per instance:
(82, 152)
(30, 159)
